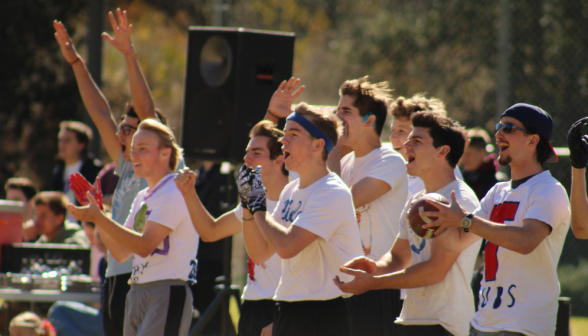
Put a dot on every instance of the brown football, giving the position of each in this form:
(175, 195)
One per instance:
(416, 222)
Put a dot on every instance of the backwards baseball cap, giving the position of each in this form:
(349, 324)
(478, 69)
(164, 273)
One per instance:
(533, 116)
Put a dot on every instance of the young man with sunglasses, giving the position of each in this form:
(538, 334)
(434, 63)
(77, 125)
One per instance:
(313, 229)
(117, 140)
(525, 222)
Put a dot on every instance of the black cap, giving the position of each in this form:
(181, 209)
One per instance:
(533, 116)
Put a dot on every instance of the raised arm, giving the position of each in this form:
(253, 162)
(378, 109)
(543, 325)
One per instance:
(209, 228)
(280, 105)
(93, 99)
(258, 249)
(142, 98)
(578, 145)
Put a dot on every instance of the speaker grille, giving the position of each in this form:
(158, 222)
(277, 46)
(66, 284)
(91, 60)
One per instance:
(215, 61)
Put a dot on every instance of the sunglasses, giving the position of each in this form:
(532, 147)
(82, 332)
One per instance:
(126, 129)
(508, 128)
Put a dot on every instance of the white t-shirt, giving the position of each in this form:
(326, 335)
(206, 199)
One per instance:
(378, 220)
(415, 184)
(262, 280)
(519, 292)
(174, 257)
(449, 303)
(324, 208)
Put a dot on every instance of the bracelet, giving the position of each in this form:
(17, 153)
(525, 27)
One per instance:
(273, 115)
(128, 50)
(76, 61)
(247, 219)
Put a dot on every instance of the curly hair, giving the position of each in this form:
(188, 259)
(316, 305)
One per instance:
(369, 97)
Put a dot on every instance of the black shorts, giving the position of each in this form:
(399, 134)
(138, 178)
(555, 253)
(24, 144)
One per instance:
(114, 295)
(255, 315)
(374, 312)
(423, 330)
(311, 318)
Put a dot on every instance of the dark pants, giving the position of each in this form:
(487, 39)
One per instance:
(114, 295)
(311, 318)
(423, 330)
(374, 312)
(255, 315)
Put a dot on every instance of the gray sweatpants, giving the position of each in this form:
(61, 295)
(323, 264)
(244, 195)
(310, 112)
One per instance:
(160, 308)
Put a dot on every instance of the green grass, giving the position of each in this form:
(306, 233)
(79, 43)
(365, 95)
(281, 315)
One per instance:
(579, 325)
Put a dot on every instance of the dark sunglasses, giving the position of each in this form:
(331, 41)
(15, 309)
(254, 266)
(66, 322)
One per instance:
(126, 129)
(508, 128)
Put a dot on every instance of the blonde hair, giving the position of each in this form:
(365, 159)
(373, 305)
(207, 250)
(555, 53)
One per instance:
(405, 108)
(166, 139)
(28, 320)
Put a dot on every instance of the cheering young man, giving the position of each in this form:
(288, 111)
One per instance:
(313, 229)
(525, 222)
(377, 178)
(117, 141)
(438, 299)
(401, 111)
(264, 149)
(160, 235)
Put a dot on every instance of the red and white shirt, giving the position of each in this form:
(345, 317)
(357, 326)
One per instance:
(519, 292)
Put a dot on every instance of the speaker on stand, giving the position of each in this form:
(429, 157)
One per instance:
(231, 76)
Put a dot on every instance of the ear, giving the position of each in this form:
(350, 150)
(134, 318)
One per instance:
(371, 122)
(167, 152)
(318, 145)
(61, 218)
(279, 161)
(534, 139)
(444, 150)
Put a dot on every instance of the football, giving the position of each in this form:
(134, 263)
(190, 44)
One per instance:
(416, 222)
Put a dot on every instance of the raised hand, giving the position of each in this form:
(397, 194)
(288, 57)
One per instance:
(280, 105)
(80, 186)
(578, 144)
(65, 43)
(251, 189)
(87, 213)
(185, 180)
(122, 32)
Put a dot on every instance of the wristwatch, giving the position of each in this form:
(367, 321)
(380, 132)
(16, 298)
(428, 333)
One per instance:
(466, 222)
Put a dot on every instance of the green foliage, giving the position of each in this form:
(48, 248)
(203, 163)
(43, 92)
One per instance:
(572, 279)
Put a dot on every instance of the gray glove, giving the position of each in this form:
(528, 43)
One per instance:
(578, 144)
(251, 189)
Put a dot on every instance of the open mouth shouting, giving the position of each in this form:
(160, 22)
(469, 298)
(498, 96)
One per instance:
(286, 154)
(502, 146)
(410, 158)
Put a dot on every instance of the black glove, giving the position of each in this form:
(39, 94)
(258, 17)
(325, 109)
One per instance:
(578, 144)
(243, 185)
(256, 199)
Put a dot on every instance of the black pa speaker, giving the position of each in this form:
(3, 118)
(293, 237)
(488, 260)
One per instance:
(231, 76)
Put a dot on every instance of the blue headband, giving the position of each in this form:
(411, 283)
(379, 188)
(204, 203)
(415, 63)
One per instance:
(365, 118)
(312, 129)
